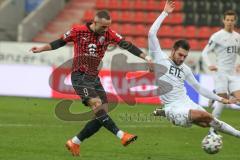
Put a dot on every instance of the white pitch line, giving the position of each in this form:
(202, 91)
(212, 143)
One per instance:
(160, 125)
(60, 126)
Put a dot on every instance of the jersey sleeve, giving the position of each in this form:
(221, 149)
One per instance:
(191, 80)
(70, 35)
(153, 43)
(208, 49)
(115, 37)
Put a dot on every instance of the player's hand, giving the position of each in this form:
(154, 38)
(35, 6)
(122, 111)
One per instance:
(225, 101)
(169, 6)
(234, 100)
(149, 63)
(212, 68)
(238, 68)
(229, 101)
(36, 49)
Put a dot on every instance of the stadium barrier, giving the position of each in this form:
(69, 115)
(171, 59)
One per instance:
(34, 81)
(26, 74)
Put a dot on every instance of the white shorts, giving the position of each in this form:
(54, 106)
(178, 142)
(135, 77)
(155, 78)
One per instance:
(178, 112)
(226, 83)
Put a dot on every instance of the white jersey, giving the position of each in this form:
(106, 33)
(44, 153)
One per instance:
(226, 46)
(172, 75)
(174, 78)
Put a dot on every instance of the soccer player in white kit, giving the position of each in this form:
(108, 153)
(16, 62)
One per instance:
(179, 108)
(225, 44)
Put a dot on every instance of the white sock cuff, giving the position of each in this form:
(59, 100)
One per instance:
(120, 134)
(76, 140)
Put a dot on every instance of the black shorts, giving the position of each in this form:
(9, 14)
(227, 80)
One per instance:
(87, 86)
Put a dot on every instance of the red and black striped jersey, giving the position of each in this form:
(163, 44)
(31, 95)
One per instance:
(89, 47)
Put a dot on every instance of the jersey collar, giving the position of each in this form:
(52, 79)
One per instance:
(88, 26)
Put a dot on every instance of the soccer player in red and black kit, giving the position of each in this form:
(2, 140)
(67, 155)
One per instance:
(90, 43)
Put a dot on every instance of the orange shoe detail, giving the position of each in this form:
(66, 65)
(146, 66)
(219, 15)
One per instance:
(73, 148)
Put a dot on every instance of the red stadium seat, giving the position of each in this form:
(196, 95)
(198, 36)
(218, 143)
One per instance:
(88, 15)
(191, 32)
(202, 44)
(204, 32)
(116, 27)
(139, 17)
(151, 17)
(140, 30)
(152, 5)
(141, 42)
(140, 5)
(126, 4)
(178, 31)
(166, 43)
(101, 4)
(168, 20)
(194, 44)
(116, 16)
(178, 5)
(165, 31)
(177, 18)
(129, 38)
(113, 4)
(127, 30)
(161, 5)
(127, 16)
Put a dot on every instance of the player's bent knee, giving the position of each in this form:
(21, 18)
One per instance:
(201, 116)
(92, 102)
(95, 102)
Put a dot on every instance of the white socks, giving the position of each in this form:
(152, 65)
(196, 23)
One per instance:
(218, 109)
(76, 140)
(224, 127)
(233, 106)
(120, 134)
(217, 112)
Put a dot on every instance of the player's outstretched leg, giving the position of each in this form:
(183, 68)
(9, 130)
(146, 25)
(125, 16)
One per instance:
(216, 113)
(93, 126)
(205, 119)
(224, 127)
(73, 145)
(109, 124)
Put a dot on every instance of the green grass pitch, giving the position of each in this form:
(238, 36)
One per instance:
(30, 130)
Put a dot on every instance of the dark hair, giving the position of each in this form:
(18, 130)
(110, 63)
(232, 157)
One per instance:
(103, 14)
(182, 43)
(230, 13)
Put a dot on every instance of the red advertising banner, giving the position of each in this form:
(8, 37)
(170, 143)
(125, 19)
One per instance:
(128, 87)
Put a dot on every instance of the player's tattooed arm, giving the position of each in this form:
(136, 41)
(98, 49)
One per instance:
(137, 52)
(51, 46)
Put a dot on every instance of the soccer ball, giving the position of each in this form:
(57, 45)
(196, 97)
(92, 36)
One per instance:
(212, 143)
